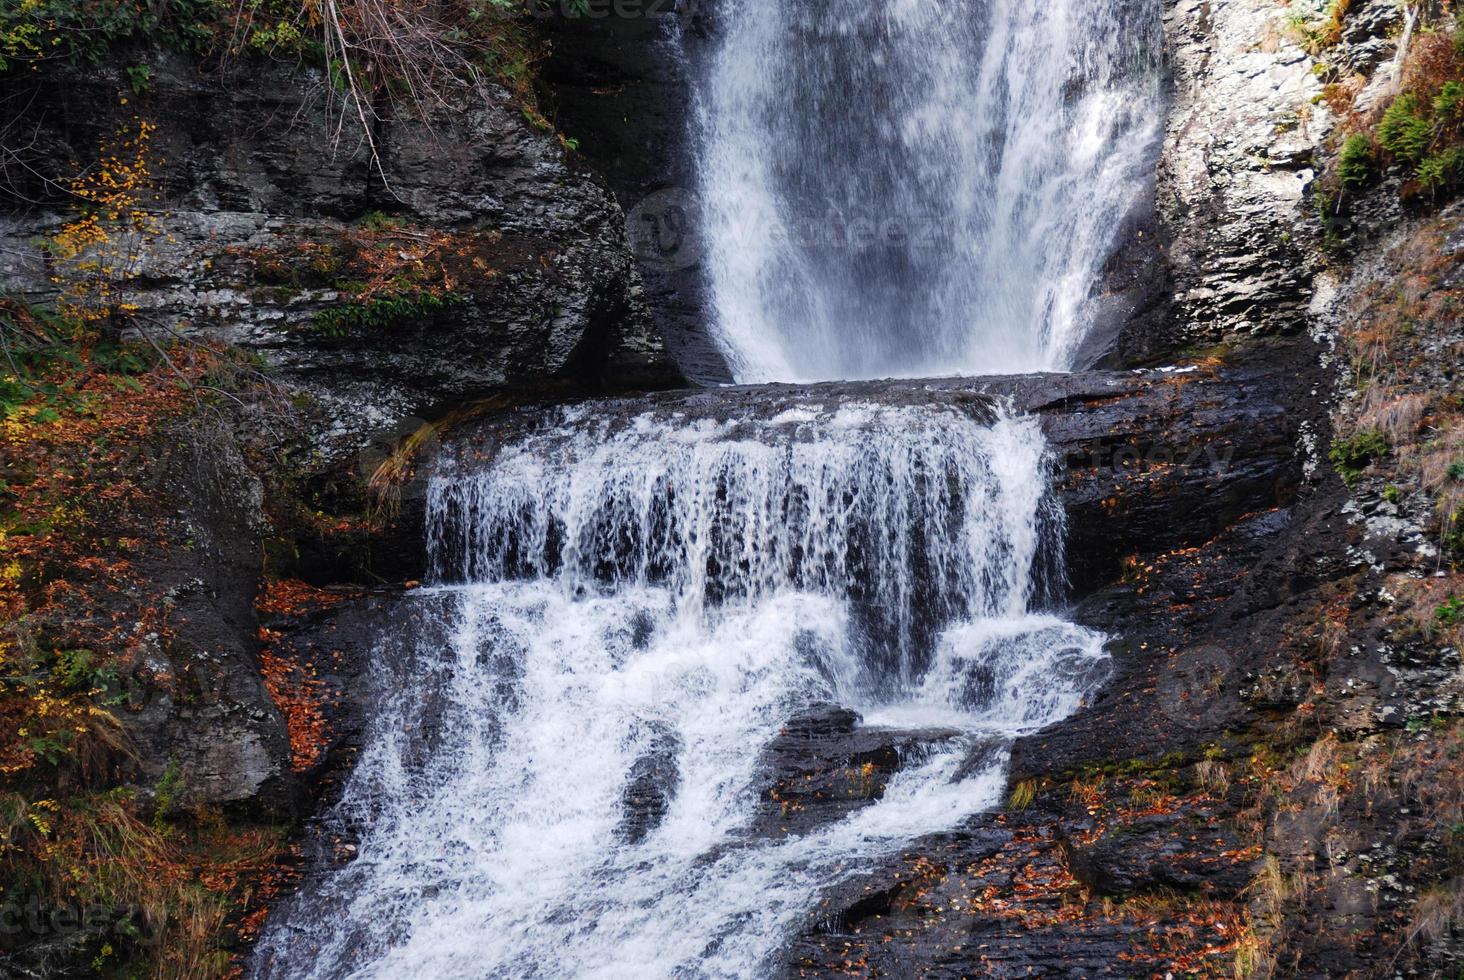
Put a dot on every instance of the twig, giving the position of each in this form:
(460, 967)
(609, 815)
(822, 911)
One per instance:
(1410, 21)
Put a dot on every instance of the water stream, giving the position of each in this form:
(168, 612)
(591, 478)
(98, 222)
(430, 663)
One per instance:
(675, 590)
(919, 188)
(631, 604)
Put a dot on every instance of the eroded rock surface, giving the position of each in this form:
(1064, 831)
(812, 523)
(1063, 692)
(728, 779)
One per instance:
(256, 179)
(1240, 155)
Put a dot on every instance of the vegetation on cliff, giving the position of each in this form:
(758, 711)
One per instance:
(103, 861)
(374, 54)
(1412, 132)
(90, 867)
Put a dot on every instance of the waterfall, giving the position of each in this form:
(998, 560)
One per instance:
(620, 594)
(573, 769)
(920, 188)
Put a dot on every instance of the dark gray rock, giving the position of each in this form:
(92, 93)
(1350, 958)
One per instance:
(1368, 34)
(1159, 851)
(250, 162)
(203, 726)
(650, 789)
(824, 766)
(622, 77)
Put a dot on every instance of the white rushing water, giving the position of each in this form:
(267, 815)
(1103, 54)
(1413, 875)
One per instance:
(917, 188)
(569, 771)
(659, 590)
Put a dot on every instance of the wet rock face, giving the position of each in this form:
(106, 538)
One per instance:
(1146, 459)
(1158, 851)
(823, 766)
(652, 785)
(1240, 155)
(198, 714)
(621, 76)
(251, 170)
(1129, 841)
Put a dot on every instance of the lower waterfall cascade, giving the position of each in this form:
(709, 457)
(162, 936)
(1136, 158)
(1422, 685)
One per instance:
(614, 596)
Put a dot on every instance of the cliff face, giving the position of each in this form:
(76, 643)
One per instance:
(304, 304)
(1262, 788)
(274, 229)
(1240, 153)
(472, 254)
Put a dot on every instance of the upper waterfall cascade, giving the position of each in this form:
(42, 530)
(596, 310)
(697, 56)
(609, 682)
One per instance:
(920, 189)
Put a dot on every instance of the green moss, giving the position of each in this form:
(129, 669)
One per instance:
(1351, 456)
(381, 312)
(1160, 768)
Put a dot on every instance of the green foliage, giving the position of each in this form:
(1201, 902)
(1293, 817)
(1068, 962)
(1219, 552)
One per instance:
(1450, 612)
(1404, 132)
(1453, 532)
(1355, 168)
(82, 31)
(1022, 795)
(1442, 170)
(38, 347)
(74, 668)
(1393, 494)
(380, 312)
(281, 34)
(1448, 105)
(1421, 131)
(1456, 470)
(167, 792)
(140, 78)
(43, 354)
(1351, 456)
(379, 221)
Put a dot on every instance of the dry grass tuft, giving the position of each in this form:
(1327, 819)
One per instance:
(1322, 762)
(1396, 417)
(1437, 914)
(1213, 775)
